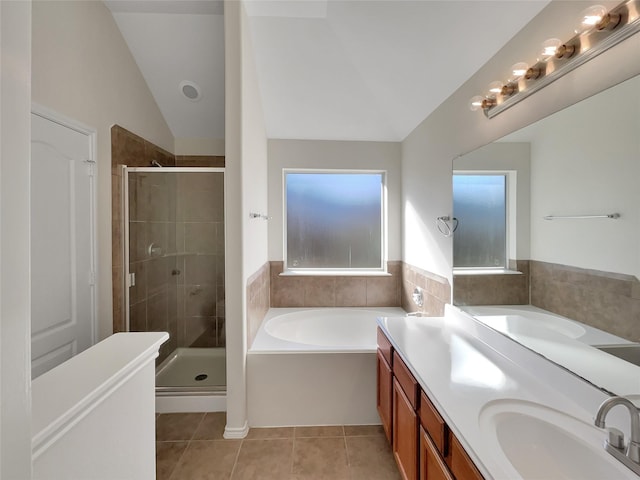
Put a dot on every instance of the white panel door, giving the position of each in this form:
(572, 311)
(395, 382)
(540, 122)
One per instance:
(62, 243)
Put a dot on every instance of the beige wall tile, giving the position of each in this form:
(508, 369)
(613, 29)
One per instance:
(202, 237)
(319, 291)
(351, 292)
(382, 292)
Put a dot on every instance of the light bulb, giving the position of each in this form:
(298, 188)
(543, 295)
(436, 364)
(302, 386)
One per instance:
(495, 87)
(518, 70)
(475, 103)
(550, 47)
(590, 17)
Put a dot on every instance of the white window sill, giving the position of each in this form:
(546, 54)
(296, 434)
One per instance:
(334, 273)
(484, 271)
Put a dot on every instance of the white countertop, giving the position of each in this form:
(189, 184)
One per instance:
(65, 391)
(565, 342)
(462, 375)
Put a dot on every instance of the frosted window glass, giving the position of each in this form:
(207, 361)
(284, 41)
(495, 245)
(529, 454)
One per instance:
(334, 220)
(479, 204)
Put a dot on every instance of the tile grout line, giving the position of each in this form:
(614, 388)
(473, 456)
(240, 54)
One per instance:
(293, 452)
(235, 462)
(175, 466)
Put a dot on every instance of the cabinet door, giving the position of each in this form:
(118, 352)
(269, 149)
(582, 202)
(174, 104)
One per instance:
(385, 395)
(461, 465)
(405, 434)
(432, 466)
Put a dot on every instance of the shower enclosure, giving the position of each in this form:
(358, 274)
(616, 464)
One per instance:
(175, 260)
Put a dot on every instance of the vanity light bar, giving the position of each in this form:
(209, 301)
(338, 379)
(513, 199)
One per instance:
(597, 35)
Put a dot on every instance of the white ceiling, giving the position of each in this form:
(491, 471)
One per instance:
(331, 69)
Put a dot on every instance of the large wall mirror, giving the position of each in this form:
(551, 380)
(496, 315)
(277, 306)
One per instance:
(549, 222)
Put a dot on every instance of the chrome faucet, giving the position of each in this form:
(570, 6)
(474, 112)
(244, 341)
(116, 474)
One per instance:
(614, 444)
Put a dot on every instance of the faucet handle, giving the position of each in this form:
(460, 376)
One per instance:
(615, 438)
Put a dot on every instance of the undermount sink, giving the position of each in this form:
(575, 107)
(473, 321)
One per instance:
(538, 442)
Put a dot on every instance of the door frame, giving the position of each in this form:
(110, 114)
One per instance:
(92, 164)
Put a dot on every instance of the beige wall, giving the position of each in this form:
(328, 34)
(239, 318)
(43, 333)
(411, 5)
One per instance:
(453, 130)
(199, 146)
(83, 69)
(15, 312)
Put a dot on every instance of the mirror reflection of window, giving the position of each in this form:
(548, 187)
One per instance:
(479, 204)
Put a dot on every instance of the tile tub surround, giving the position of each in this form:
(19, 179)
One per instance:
(335, 291)
(258, 300)
(436, 291)
(494, 289)
(129, 149)
(191, 446)
(604, 300)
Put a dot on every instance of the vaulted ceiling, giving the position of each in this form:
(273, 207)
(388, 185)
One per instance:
(327, 69)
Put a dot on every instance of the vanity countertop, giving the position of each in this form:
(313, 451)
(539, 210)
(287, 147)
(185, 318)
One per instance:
(470, 381)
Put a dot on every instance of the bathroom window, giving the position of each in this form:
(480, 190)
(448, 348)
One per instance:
(334, 220)
(480, 205)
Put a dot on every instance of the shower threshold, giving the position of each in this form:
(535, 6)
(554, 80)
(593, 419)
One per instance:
(192, 371)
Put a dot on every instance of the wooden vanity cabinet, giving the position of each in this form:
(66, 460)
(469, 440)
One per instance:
(423, 446)
(384, 396)
(405, 429)
(461, 465)
(432, 465)
(384, 376)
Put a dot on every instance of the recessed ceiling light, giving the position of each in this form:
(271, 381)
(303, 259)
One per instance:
(190, 90)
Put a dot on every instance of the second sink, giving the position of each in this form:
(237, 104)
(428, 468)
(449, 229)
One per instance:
(540, 442)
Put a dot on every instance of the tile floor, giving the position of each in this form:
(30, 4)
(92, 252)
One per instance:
(190, 447)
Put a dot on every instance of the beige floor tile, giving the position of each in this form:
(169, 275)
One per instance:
(211, 427)
(177, 426)
(363, 430)
(207, 460)
(264, 433)
(264, 460)
(320, 431)
(370, 458)
(167, 456)
(320, 457)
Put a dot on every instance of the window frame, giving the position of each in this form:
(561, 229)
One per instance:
(347, 271)
(510, 209)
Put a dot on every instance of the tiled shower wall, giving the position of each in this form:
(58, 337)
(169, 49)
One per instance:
(200, 260)
(152, 256)
(132, 150)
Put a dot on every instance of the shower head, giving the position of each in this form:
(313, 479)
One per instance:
(155, 163)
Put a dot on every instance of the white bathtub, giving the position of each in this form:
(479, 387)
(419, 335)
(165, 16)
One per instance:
(315, 367)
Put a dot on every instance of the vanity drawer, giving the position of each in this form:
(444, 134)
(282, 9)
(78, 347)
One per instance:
(462, 466)
(434, 424)
(406, 380)
(384, 345)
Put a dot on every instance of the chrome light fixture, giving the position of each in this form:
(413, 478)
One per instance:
(598, 31)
